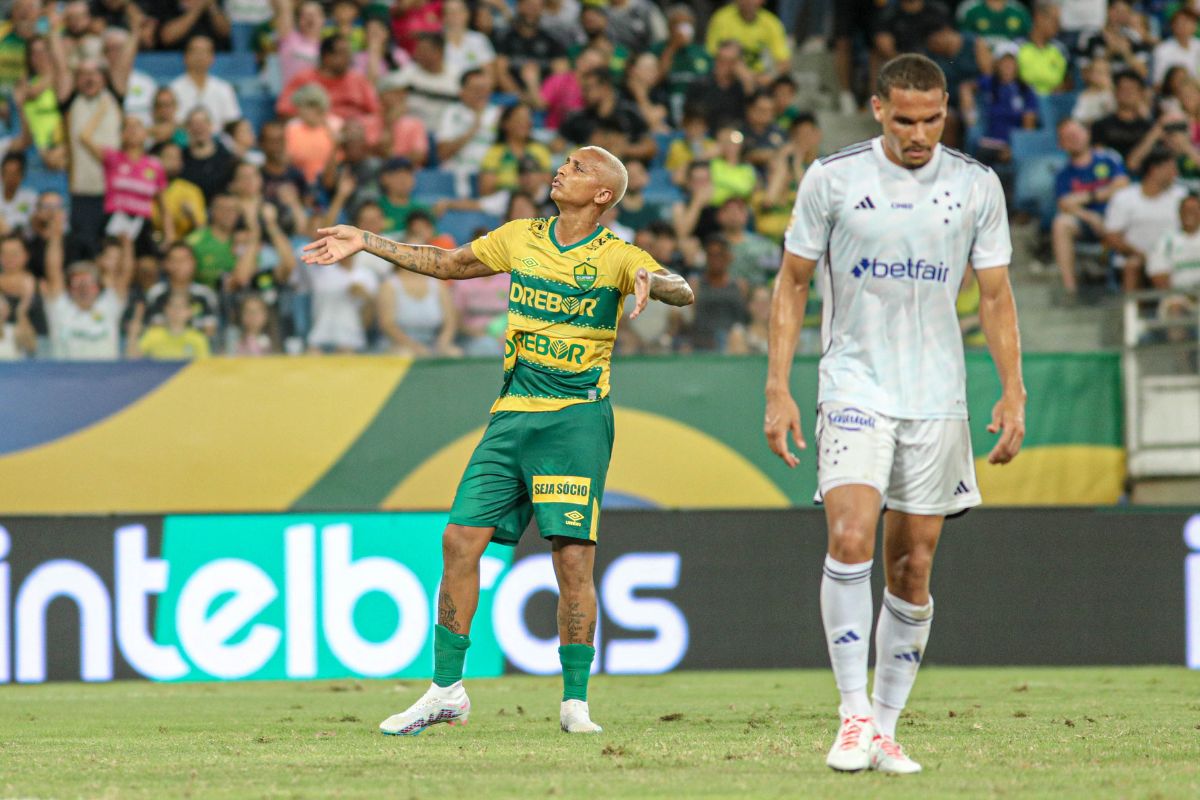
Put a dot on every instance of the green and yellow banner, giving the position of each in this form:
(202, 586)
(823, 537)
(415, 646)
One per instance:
(342, 433)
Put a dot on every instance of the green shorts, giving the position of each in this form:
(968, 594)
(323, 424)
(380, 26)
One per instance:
(549, 463)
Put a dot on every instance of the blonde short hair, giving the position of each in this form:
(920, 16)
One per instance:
(619, 173)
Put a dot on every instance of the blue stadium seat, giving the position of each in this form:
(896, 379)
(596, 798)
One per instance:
(433, 185)
(258, 108)
(1053, 108)
(162, 65)
(232, 66)
(1031, 144)
(242, 36)
(661, 190)
(663, 140)
(462, 225)
(1033, 190)
(504, 99)
(45, 180)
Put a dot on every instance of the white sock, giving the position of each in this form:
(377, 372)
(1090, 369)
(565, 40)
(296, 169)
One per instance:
(900, 643)
(846, 611)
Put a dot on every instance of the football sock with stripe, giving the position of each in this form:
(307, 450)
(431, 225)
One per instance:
(449, 655)
(576, 660)
(900, 643)
(846, 612)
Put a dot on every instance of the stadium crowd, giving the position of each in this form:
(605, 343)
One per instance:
(164, 160)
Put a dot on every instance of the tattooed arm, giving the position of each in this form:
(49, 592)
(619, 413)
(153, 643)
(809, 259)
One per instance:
(343, 241)
(662, 285)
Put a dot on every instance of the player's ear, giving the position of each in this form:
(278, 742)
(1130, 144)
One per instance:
(604, 197)
(877, 108)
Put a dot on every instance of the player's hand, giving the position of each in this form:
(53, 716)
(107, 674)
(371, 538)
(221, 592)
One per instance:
(1008, 419)
(783, 417)
(337, 243)
(641, 292)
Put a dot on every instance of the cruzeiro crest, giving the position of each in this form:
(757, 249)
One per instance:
(585, 276)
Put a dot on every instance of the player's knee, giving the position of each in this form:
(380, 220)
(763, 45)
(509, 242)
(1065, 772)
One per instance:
(910, 572)
(462, 545)
(851, 541)
(575, 568)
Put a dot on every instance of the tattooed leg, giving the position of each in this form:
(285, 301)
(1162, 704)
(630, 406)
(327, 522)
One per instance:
(459, 597)
(573, 564)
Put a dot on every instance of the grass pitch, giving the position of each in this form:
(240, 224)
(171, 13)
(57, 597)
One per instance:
(1015, 732)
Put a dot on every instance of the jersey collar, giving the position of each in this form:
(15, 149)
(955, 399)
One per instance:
(583, 241)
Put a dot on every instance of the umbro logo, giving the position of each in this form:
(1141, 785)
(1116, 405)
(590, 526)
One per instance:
(911, 656)
(865, 202)
(849, 637)
(962, 488)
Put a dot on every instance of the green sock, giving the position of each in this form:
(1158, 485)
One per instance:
(449, 654)
(577, 668)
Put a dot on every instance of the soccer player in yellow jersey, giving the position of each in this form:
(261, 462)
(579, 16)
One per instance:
(547, 447)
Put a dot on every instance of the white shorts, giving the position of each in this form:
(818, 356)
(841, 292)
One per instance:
(919, 466)
(120, 223)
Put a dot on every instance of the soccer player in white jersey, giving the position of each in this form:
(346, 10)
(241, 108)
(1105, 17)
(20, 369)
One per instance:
(894, 222)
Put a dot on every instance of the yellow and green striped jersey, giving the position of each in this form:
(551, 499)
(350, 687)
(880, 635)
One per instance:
(563, 308)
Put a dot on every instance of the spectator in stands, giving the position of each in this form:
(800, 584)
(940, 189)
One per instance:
(593, 21)
(644, 88)
(653, 332)
(84, 316)
(995, 21)
(163, 113)
(182, 201)
(79, 34)
(139, 93)
(84, 96)
(396, 184)
(1138, 216)
(852, 20)
(721, 95)
(755, 258)
(1008, 104)
(38, 233)
(1042, 61)
(37, 103)
(239, 139)
(351, 95)
(964, 59)
(16, 200)
(465, 49)
(636, 24)
(283, 184)
(180, 20)
(433, 84)
(1174, 265)
(905, 27)
(499, 168)
(720, 298)
(298, 33)
(343, 303)
(762, 136)
(695, 212)
(681, 58)
(1181, 49)
(179, 271)
(18, 28)
(206, 162)
(197, 88)
(526, 53)
(758, 31)
(1097, 99)
(311, 137)
(1168, 91)
(787, 168)
(404, 134)
(414, 18)
(369, 217)
(213, 243)
(254, 328)
(1083, 187)
(750, 338)
(731, 176)
(635, 211)
(1081, 15)
(1127, 129)
(694, 145)
(18, 291)
(134, 183)
(1120, 41)
(467, 129)
(603, 107)
(172, 339)
(356, 159)
(562, 93)
(265, 256)
(416, 312)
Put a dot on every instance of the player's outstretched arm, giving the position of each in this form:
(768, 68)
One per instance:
(998, 316)
(661, 285)
(343, 241)
(787, 315)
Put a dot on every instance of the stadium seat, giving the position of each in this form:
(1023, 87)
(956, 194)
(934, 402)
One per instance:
(1033, 190)
(45, 180)
(1028, 145)
(232, 66)
(661, 190)
(162, 65)
(463, 225)
(242, 37)
(433, 185)
(258, 108)
(504, 99)
(1053, 108)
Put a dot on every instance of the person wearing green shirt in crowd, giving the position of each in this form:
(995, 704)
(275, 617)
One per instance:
(731, 177)
(396, 184)
(995, 20)
(681, 58)
(213, 244)
(1042, 62)
(594, 21)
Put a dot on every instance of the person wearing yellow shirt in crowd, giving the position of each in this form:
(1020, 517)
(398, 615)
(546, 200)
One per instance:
(731, 176)
(174, 340)
(182, 200)
(1042, 62)
(758, 31)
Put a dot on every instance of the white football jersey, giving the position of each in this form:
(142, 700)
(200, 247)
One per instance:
(894, 244)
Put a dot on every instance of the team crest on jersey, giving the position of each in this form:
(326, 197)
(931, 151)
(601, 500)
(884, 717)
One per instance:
(585, 276)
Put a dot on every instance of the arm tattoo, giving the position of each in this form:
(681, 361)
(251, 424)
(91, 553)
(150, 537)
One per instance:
(448, 612)
(669, 288)
(424, 259)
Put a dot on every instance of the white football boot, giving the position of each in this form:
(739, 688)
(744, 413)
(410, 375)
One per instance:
(448, 704)
(888, 756)
(851, 751)
(574, 717)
